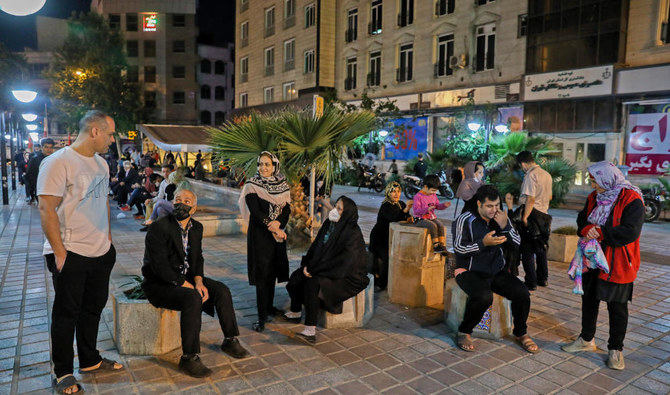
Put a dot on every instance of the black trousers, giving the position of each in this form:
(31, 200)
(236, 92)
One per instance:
(530, 258)
(82, 288)
(618, 314)
(189, 302)
(265, 295)
(304, 291)
(480, 288)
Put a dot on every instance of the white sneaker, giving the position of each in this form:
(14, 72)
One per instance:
(615, 360)
(580, 345)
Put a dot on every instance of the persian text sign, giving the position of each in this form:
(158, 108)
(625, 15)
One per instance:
(593, 81)
(149, 22)
(648, 143)
(409, 137)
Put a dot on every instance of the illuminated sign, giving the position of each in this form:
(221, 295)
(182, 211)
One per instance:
(132, 134)
(149, 22)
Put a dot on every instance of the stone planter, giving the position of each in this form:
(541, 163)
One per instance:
(562, 247)
(142, 329)
(356, 311)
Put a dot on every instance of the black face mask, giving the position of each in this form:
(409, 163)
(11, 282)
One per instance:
(181, 211)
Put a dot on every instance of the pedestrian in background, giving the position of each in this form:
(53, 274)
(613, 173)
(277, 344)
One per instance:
(34, 166)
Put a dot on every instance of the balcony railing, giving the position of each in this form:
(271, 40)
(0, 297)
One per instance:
(403, 74)
(289, 65)
(349, 84)
(289, 22)
(404, 20)
(269, 70)
(244, 78)
(375, 27)
(269, 30)
(442, 69)
(350, 35)
(374, 79)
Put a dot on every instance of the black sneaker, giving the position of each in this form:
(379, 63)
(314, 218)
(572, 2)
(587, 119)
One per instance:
(530, 287)
(194, 367)
(258, 326)
(233, 348)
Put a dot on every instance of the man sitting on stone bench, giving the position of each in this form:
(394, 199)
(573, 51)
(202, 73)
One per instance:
(479, 236)
(174, 279)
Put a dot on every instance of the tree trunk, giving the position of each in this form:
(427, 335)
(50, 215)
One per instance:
(297, 228)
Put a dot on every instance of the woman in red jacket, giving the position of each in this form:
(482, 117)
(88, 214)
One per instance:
(613, 215)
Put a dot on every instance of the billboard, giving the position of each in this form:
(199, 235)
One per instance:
(407, 137)
(648, 146)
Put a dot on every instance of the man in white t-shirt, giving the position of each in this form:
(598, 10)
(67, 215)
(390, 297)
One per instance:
(72, 186)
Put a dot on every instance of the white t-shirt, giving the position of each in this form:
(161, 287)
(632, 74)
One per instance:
(83, 183)
(537, 183)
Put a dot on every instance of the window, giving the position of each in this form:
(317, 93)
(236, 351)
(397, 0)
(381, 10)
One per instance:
(205, 117)
(149, 73)
(268, 95)
(352, 26)
(289, 13)
(375, 71)
(404, 72)
(219, 117)
(310, 15)
(289, 55)
(486, 47)
(219, 67)
(178, 20)
(522, 29)
(244, 69)
(244, 99)
(205, 92)
(178, 98)
(179, 46)
(149, 48)
(483, 2)
(444, 7)
(132, 49)
(406, 15)
(115, 21)
(289, 92)
(205, 66)
(244, 5)
(269, 61)
(178, 72)
(219, 93)
(133, 73)
(150, 99)
(445, 50)
(665, 24)
(350, 80)
(269, 21)
(375, 26)
(309, 61)
(244, 33)
(131, 22)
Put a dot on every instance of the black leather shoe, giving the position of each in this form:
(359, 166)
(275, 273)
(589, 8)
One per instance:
(258, 326)
(530, 287)
(543, 283)
(233, 348)
(194, 367)
(144, 228)
(308, 339)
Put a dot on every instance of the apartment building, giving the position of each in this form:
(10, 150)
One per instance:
(162, 54)
(284, 52)
(215, 77)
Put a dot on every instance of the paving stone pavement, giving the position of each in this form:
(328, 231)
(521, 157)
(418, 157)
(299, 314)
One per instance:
(401, 351)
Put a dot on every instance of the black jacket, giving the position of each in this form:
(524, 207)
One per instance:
(468, 231)
(164, 252)
(34, 167)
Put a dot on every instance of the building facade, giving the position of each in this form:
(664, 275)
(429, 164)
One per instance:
(216, 76)
(162, 53)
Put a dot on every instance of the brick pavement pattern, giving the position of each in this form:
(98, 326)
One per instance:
(401, 351)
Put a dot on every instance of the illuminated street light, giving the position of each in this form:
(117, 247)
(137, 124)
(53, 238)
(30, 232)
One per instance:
(24, 96)
(7, 137)
(25, 142)
(383, 133)
(474, 126)
(501, 128)
(29, 117)
(31, 127)
(21, 7)
(34, 136)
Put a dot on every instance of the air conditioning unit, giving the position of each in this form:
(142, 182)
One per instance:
(460, 61)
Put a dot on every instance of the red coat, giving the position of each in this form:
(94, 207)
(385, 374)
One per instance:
(620, 236)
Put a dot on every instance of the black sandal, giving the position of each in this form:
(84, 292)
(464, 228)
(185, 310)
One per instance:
(105, 365)
(67, 382)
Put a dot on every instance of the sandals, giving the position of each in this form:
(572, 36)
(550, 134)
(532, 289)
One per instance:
(528, 344)
(465, 342)
(105, 365)
(65, 383)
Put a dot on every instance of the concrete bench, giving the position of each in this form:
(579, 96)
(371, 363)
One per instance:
(142, 329)
(496, 322)
(416, 273)
(356, 311)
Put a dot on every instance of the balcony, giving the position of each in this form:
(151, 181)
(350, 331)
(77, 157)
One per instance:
(244, 78)
(373, 79)
(269, 30)
(350, 35)
(403, 74)
(289, 22)
(269, 70)
(289, 65)
(349, 84)
(375, 27)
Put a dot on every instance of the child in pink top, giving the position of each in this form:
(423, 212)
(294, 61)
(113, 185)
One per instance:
(425, 204)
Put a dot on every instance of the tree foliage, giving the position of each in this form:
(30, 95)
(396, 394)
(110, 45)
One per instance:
(12, 69)
(90, 72)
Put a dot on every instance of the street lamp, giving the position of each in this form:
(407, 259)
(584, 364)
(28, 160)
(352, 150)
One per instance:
(32, 127)
(29, 117)
(34, 136)
(24, 95)
(501, 128)
(21, 7)
(474, 126)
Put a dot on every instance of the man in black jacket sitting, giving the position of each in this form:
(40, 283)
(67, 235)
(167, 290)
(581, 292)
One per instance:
(479, 236)
(174, 279)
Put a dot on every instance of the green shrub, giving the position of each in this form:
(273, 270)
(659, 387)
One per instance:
(566, 230)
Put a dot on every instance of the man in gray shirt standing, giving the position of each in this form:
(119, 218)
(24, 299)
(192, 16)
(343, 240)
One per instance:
(535, 196)
(72, 186)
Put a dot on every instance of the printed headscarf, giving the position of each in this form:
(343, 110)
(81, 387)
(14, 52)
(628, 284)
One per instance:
(610, 178)
(387, 193)
(273, 189)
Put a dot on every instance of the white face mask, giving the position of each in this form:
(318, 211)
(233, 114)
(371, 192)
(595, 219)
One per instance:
(334, 215)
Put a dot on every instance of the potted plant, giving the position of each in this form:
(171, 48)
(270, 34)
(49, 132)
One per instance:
(562, 244)
(139, 327)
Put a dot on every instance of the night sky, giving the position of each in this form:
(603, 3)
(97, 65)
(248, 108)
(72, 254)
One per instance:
(215, 22)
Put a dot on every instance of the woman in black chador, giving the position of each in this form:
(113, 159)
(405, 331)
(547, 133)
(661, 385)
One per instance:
(333, 270)
(265, 205)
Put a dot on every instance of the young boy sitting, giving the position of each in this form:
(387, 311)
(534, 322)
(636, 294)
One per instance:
(425, 204)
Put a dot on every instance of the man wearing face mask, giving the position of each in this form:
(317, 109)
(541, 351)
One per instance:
(174, 279)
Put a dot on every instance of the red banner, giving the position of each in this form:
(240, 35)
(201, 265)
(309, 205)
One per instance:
(648, 143)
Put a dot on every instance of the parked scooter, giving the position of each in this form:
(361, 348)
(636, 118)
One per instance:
(656, 200)
(371, 179)
(413, 184)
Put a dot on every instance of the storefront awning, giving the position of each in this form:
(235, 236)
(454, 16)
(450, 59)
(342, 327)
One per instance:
(177, 138)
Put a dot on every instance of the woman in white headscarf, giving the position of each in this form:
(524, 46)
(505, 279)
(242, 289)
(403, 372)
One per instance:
(265, 205)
